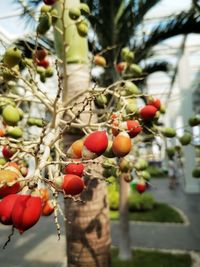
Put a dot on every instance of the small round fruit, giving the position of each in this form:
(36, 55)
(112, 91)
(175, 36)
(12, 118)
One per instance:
(82, 28)
(6, 208)
(154, 102)
(124, 52)
(131, 88)
(74, 168)
(12, 57)
(141, 165)
(11, 115)
(44, 24)
(95, 144)
(121, 144)
(120, 67)
(196, 173)
(185, 139)
(141, 187)
(11, 185)
(43, 63)
(101, 101)
(50, 2)
(168, 132)
(8, 152)
(100, 61)
(45, 9)
(135, 69)
(194, 121)
(148, 112)
(14, 132)
(72, 184)
(74, 13)
(132, 127)
(48, 208)
(75, 150)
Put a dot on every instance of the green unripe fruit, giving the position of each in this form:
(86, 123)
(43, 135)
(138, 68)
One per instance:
(168, 132)
(45, 9)
(14, 132)
(84, 8)
(124, 53)
(130, 56)
(131, 88)
(185, 139)
(74, 13)
(196, 173)
(125, 165)
(44, 23)
(145, 175)
(11, 115)
(162, 109)
(43, 77)
(131, 106)
(170, 151)
(101, 100)
(82, 28)
(49, 72)
(35, 121)
(28, 62)
(194, 121)
(2, 161)
(135, 69)
(141, 165)
(109, 152)
(12, 57)
(40, 70)
(54, 16)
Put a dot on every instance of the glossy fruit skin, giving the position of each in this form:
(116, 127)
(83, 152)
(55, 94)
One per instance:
(120, 67)
(100, 61)
(133, 127)
(50, 2)
(8, 152)
(75, 150)
(48, 208)
(8, 176)
(40, 54)
(74, 13)
(141, 187)
(121, 144)
(74, 168)
(6, 208)
(95, 144)
(12, 57)
(148, 112)
(11, 115)
(44, 24)
(154, 102)
(26, 212)
(82, 28)
(43, 63)
(72, 184)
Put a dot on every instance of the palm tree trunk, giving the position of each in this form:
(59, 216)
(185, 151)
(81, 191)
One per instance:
(87, 226)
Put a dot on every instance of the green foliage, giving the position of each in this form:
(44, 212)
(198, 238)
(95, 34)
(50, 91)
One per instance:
(156, 171)
(152, 259)
(141, 202)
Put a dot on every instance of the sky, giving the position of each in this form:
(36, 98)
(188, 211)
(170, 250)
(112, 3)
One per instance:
(15, 26)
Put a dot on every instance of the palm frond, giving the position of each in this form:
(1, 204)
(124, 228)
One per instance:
(156, 66)
(183, 23)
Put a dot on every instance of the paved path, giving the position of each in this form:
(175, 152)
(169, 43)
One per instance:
(184, 237)
(39, 245)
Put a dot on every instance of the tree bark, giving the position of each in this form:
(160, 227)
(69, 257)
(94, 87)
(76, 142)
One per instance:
(124, 245)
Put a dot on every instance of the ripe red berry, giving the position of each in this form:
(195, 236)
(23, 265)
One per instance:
(154, 102)
(8, 152)
(148, 112)
(95, 144)
(26, 212)
(141, 187)
(6, 208)
(120, 67)
(132, 127)
(121, 144)
(40, 54)
(74, 168)
(43, 63)
(48, 208)
(72, 184)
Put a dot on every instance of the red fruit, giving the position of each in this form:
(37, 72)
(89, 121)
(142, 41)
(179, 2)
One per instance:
(154, 102)
(26, 212)
(121, 144)
(48, 208)
(43, 63)
(75, 150)
(72, 184)
(95, 144)
(120, 67)
(40, 54)
(7, 176)
(50, 2)
(148, 112)
(132, 127)
(2, 132)
(8, 152)
(74, 168)
(141, 187)
(6, 208)
(115, 130)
